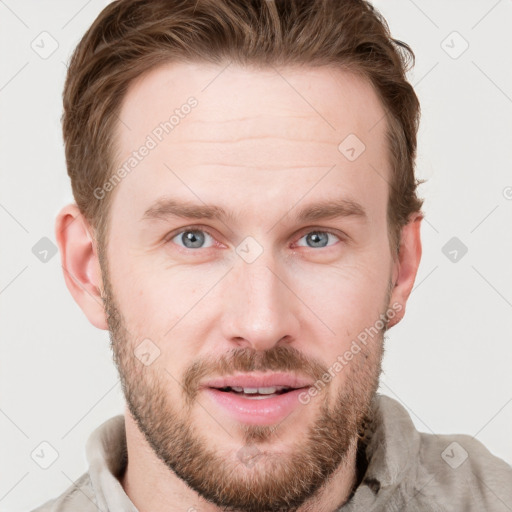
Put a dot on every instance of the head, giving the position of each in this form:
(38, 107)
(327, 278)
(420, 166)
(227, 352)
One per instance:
(245, 204)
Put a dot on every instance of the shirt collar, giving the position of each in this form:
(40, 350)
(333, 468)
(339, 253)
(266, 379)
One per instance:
(391, 445)
(107, 456)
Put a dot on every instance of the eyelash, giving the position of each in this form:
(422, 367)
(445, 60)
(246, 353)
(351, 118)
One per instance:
(174, 234)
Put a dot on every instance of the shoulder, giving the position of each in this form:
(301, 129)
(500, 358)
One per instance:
(419, 471)
(459, 470)
(78, 496)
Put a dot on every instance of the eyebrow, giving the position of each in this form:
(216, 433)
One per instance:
(328, 209)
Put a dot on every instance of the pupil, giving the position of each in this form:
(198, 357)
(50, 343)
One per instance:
(318, 239)
(192, 239)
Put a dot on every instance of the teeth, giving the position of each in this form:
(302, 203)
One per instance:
(250, 391)
(258, 397)
(261, 391)
(266, 391)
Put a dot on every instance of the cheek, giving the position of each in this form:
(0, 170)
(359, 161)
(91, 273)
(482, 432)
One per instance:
(350, 302)
(150, 302)
(169, 306)
(346, 297)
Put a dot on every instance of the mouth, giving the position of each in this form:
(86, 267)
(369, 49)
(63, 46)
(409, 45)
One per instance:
(259, 399)
(258, 385)
(256, 393)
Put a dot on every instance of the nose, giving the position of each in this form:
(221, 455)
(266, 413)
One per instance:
(260, 308)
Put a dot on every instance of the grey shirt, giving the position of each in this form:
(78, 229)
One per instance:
(405, 470)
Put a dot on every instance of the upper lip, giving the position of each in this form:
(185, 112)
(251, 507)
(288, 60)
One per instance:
(258, 380)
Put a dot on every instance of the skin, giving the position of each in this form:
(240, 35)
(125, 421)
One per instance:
(262, 147)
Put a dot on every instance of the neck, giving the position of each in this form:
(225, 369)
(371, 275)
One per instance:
(151, 485)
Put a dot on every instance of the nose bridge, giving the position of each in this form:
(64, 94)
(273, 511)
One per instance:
(263, 287)
(260, 309)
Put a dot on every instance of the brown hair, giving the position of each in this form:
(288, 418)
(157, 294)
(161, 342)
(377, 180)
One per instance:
(131, 37)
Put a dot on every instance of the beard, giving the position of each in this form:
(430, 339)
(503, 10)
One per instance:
(253, 477)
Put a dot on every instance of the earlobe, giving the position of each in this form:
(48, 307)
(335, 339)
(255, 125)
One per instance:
(406, 265)
(80, 263)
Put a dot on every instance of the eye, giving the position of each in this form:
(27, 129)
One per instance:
(318, 239)
(191, 238)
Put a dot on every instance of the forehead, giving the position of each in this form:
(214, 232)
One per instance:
(265, 132)
(248, 100)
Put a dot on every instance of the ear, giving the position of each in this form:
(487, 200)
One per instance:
(406, 265)
(80, 263)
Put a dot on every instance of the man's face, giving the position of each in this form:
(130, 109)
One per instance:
(277, 288)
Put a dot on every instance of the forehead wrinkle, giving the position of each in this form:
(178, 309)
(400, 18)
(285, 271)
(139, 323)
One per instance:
(234, 140)
(276, 167)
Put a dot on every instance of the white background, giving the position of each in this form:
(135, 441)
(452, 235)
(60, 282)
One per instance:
(448, 362)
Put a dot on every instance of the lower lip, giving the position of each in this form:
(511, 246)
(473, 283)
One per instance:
(264, 411)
